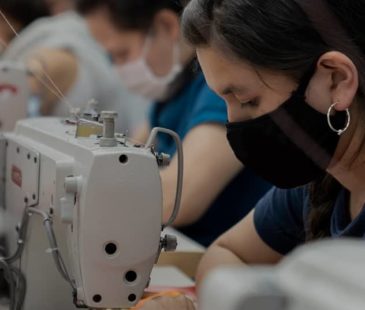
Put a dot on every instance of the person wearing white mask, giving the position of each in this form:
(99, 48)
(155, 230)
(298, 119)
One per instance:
(139, 78)
(60, 48)
(144, 41)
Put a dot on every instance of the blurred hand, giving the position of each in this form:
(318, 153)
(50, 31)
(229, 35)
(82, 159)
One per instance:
(168, 303)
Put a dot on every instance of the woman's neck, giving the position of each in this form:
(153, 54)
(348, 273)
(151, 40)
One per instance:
(348, 164)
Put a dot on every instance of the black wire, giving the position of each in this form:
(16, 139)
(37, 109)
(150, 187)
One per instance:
(13, 275)
(9, 278)
(20, 288)
(17, 285)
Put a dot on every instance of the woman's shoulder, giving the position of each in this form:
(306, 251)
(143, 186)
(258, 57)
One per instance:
(280, 217)
(296, 198)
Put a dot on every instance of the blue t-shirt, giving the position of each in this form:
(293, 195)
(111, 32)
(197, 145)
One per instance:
(196, 104)
(281, 217)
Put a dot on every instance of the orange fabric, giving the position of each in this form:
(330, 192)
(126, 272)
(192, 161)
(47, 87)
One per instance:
(150, 296)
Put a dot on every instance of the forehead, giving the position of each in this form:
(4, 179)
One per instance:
(58, 6)
(105, 31)
(220, 69)
(224, 71)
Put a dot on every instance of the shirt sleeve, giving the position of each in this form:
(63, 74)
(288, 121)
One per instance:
(279, 218)
(209, 108)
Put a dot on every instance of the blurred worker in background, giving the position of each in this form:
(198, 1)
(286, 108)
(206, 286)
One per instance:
(61, 49)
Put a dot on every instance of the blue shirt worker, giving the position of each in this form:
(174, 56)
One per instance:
(143, 38)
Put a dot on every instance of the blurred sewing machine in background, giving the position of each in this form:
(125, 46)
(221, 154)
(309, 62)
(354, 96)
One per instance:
(14, 95)
(326, 275)
(83, 213)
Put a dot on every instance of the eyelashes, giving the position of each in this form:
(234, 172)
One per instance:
(249, 104)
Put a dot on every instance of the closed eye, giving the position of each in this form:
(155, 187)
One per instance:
(249, 104)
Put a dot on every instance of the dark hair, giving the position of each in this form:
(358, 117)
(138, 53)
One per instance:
(24, 11)
(276, 35)
(130, 14)
(271, 34)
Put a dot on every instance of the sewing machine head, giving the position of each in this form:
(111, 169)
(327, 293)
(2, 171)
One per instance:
(105, 199)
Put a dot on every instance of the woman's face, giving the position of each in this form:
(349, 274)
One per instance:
(156, 48)
(125, 46)
(248, 93)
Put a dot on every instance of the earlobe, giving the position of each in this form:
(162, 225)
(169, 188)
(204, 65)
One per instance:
(343, 78)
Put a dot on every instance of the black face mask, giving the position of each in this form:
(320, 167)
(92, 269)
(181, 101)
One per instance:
(290, 146)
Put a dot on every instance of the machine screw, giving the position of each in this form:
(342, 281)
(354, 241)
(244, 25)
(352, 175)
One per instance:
(108, 139)
(169, 243)
(163, 160)
(73, 184)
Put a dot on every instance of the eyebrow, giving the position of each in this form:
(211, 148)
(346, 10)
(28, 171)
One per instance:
(233, 89)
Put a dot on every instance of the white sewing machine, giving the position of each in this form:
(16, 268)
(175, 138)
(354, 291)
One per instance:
(105, 199)
(14, 95)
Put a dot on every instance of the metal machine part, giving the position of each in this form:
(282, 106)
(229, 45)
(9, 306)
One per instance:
(325, 275)
(14, 95)
(163, 159)
(103, 206)
(87, 128)
(90, 112)
(169, 243)
(180, 168)
(108, 139)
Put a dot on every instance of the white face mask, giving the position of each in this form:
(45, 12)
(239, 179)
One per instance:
(140, 79)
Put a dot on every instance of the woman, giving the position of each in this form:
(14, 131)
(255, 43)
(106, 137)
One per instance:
(281, 67)
(287, 87)
(20, 14)
(61, 48)
(144, 41)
